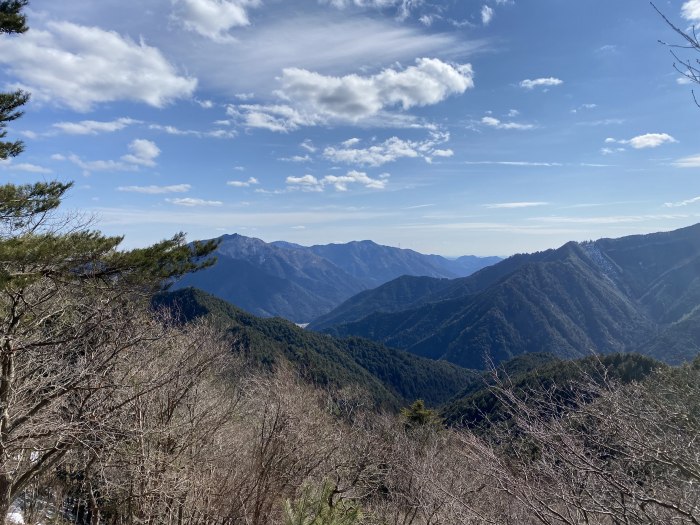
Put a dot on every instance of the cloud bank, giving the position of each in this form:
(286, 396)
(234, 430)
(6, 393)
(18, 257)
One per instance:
(79, 67)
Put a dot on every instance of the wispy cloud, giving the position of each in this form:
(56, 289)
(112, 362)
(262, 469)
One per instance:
(339, 182)
(541, 82)
(486, 14)
(584, 107)
(515, 205)
(402, 8)
(252, 181)
(296, 158)
(27, 167)
(190, 202)
(215, 133)
(682, 203)
(493, 122)
(308, 145)
(142, 152)
(156, 190)
(611, 219)
(390, 150)
(602, 122)
(692, 161)
(522, 163)
(93, 127)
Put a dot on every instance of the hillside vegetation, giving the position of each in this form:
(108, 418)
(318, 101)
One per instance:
(637, 293)
(392, 377)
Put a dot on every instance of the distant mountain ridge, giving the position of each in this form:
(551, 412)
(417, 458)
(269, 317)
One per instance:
(637, 293)
(301, 283)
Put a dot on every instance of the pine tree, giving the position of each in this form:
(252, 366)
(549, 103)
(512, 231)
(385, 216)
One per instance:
(71, 304)
(12, 20)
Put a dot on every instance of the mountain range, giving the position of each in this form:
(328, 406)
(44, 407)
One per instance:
(302, 283)
(637, 293)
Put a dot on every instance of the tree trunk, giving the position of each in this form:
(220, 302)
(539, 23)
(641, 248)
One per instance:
(5, 496)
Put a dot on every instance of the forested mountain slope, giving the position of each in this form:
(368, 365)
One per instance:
(478, 406)
(612, 295)
(392, 377)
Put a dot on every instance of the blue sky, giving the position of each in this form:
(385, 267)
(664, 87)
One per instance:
(454, 127)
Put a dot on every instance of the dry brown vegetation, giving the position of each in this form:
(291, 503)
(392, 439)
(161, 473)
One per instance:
(179, 432)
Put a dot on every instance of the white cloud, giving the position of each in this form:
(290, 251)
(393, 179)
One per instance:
(377, 4)
(613, 219)
(243, 183)
(328, 41)
(353, 97)
(515, 205)
(390, 150)
(143, 152)
(688, 162)
(442, 153)
(602, 122)
(305, 183)
(495, 123)
(205, 104)
(649, 140)
(95, 165)
(486, 15)
(213, 18)
(156, 190)
(611, 151)
(93, 127)
(403, 7)
(584, 107)
(682, 203)
(273, 117)
(522, 163)
(311, 98)
(79, 66)
(8, 164)
(308, 146)
(216, 133)
(541, 82)
(296, 158)
(339, 182)
(191, 202)
(691, 10)
(350, 142)
(607, 49)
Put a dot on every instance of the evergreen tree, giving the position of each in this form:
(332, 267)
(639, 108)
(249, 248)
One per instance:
(417, 416)
(71, 305)
(12, 20)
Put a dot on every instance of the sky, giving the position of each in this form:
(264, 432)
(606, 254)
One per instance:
(456, 127)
